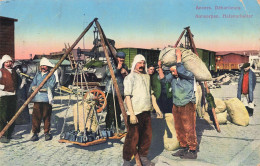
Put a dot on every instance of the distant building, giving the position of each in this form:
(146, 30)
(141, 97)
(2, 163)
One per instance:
(229, 60)
(7, 41)
(59, 54)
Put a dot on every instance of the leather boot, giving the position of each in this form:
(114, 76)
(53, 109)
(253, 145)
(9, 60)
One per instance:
(126, 163)
(190, 154)
(146, 162)
(48, 136)
(4, 139)
(181, 152)
(34, 137)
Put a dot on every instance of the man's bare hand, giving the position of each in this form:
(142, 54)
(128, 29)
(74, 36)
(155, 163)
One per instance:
(159, 114)
(119, 65)
(178, 54)
(124, 72)
(133, 119)
(159, 63)
(34, 87)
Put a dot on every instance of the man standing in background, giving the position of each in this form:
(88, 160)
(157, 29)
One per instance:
(246, 87)
(120, 72)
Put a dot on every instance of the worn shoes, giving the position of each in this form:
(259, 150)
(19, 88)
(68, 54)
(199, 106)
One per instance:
(127, 163)
(250, 111)
(48, 136)
(191, 154)
(185, 153)
(4, 139)
(181, 152)
(34, 137)
(146, 162)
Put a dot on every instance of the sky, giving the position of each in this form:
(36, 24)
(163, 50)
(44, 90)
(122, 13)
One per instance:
(44, 26)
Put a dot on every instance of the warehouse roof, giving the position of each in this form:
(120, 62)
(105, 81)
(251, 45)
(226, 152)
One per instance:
(243, 53)
(7, 18)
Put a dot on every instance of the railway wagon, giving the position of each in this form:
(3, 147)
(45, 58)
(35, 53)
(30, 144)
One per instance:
(150, 55)
(208, 57)
(227, 61)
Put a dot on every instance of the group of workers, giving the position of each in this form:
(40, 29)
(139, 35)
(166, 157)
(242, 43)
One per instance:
(142, 88)
(42, 108)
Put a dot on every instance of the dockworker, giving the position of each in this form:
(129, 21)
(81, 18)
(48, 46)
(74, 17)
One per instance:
(139, 101)
(151, 69)
(42, 107)
(120, 72)
(246, 87)
(8, 86)
(182, 84)
(161, 89)
(155, 82)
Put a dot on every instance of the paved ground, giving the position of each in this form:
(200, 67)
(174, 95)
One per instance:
(234, 145)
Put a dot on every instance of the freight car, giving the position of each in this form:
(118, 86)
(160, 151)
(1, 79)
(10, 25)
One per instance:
(231, 60)
(216, 62)
(227, 61)
(208, 57)
(150, 55)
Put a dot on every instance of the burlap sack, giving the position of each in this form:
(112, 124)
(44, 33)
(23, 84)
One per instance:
(221, 117)
(221, 106)
(170, 139)
(167, 56)
(190, 60)
(89, 114)
(237, 112)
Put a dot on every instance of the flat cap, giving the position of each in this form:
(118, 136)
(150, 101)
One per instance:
(245, 65)
(120, 54)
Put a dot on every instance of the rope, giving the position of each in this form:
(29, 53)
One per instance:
(115, 108)
(83, 101)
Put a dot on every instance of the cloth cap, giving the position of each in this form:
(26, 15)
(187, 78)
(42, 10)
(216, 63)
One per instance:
(245, 65)
(45, 62)
(4, 59)
(138, 58)
(120, 54)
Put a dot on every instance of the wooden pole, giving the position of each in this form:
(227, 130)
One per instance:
(205, 83)
(192, 42)
(176, 44)
(120, 100)
(45, 79)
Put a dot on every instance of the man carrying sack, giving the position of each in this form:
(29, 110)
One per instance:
(182, 84)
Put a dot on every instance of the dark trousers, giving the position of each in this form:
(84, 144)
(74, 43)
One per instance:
(139, 136)
(185, 124)
(165, 104)
(110, 117)
(7, 111)
(41, 111)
